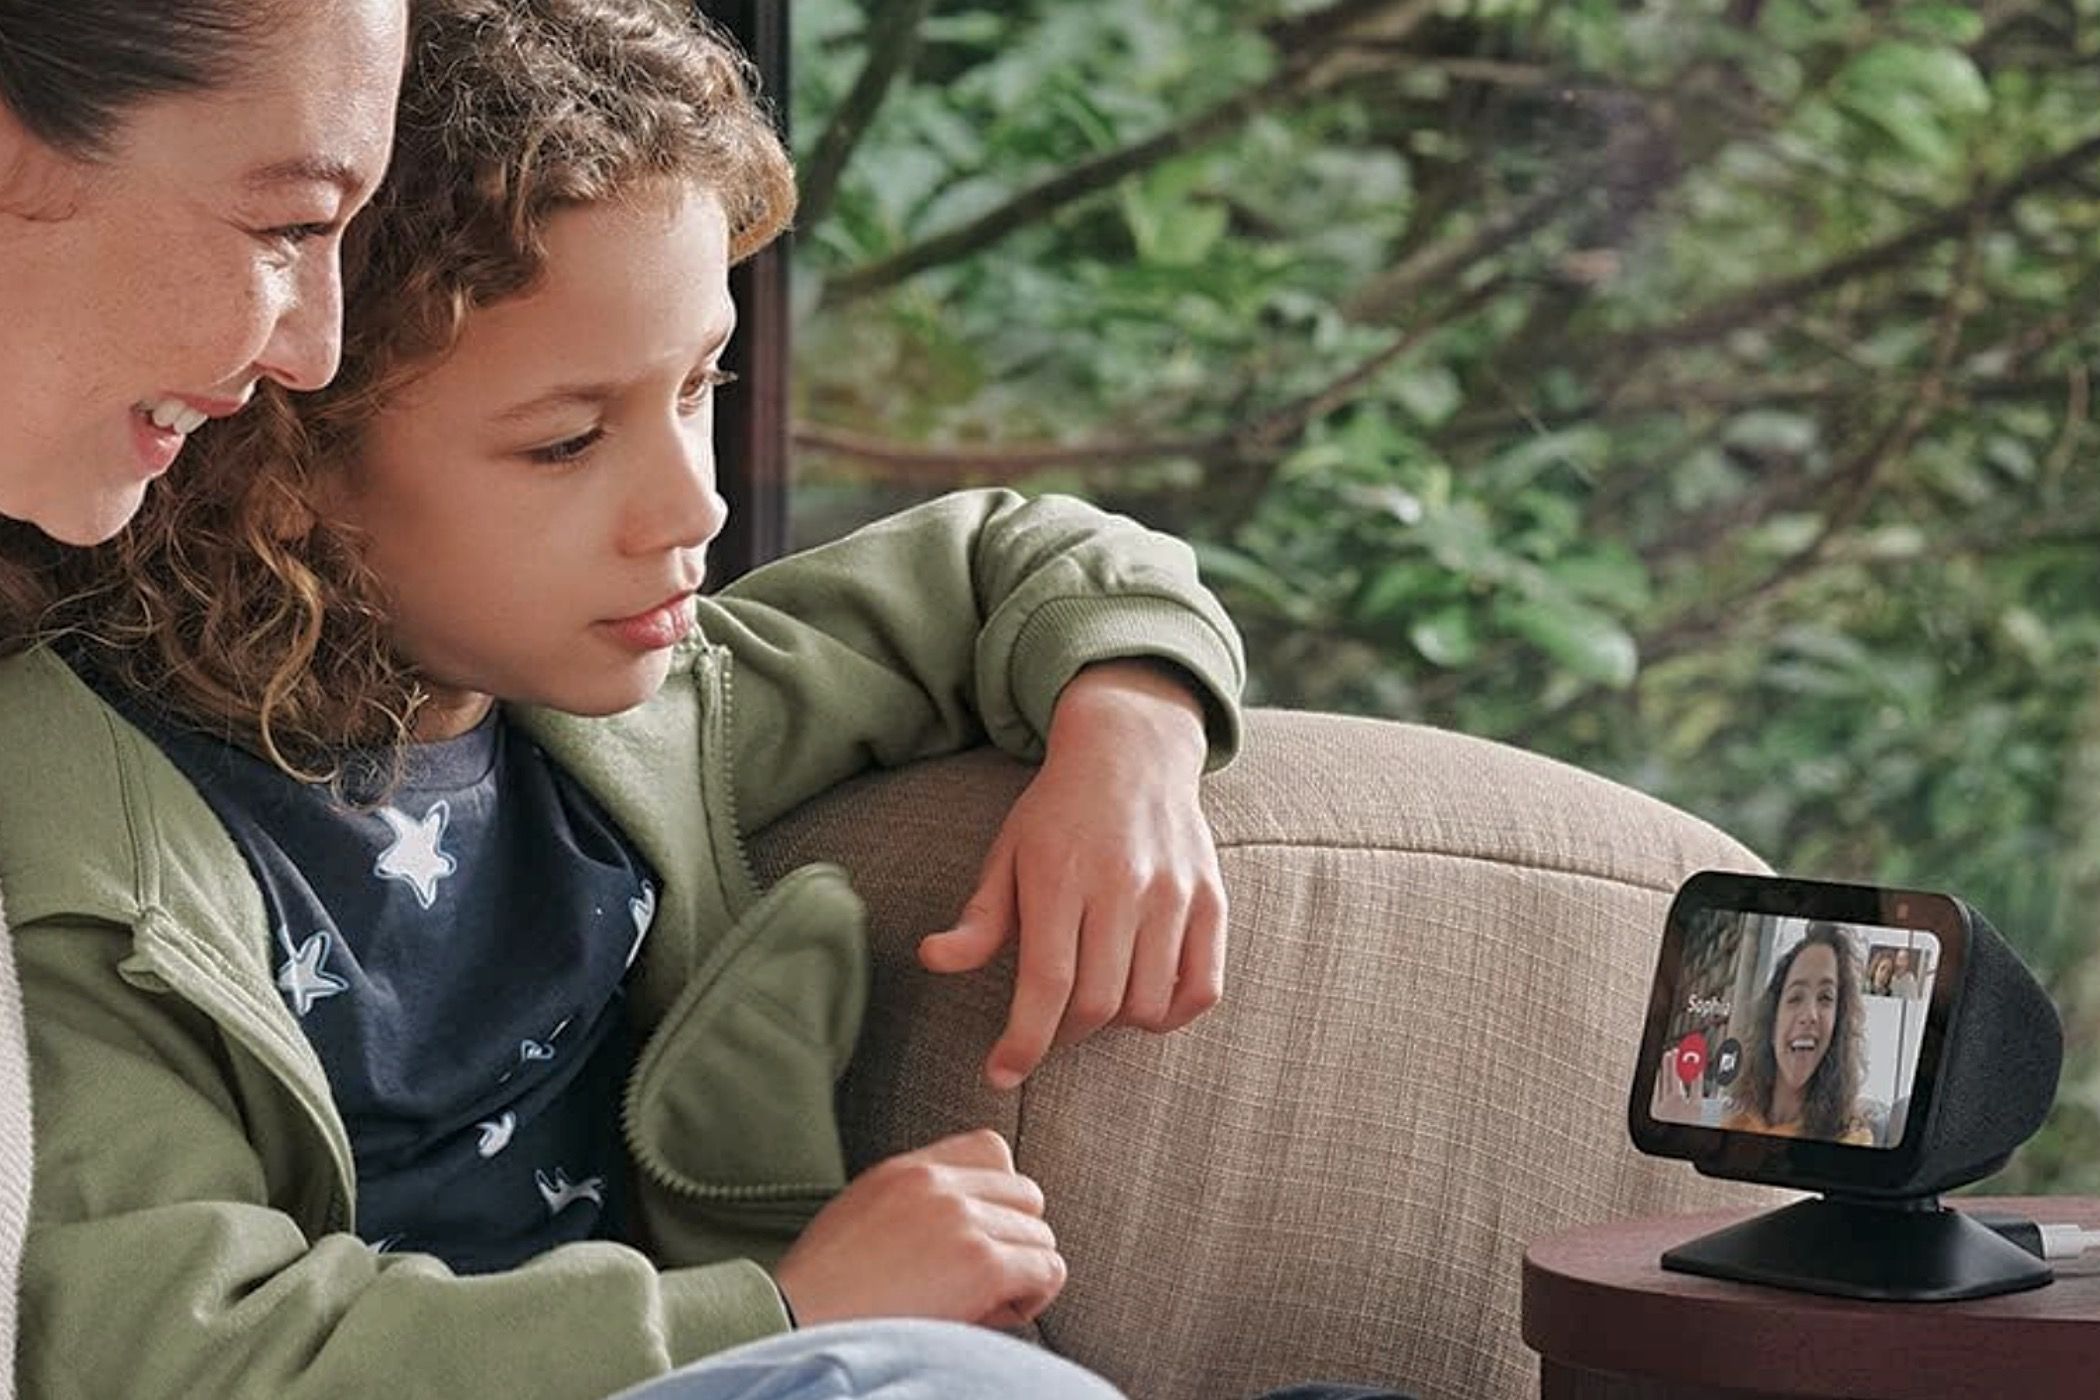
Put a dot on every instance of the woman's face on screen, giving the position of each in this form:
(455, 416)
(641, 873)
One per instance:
(1807, 1018)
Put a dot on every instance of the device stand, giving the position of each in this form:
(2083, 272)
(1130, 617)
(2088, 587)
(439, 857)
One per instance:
(1903, 1251)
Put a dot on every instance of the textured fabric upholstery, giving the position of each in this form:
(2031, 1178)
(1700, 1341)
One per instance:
(1440, 955)
(1440, 952)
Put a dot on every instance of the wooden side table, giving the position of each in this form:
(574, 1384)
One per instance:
(1610, 1324)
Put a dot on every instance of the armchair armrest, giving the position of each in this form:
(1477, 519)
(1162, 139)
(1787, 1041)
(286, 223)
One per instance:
(1439, 961)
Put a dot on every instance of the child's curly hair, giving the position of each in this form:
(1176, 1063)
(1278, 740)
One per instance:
(231, 601)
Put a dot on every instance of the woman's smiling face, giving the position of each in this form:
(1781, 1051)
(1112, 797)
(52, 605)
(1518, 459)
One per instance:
(1807, 1018)
(194, 258)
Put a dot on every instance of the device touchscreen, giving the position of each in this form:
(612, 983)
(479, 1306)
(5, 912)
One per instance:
(1794, 1027)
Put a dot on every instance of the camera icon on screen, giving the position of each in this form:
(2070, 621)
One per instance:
(1728, 1061)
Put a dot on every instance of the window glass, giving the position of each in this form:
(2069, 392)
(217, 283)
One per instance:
(1698, 390)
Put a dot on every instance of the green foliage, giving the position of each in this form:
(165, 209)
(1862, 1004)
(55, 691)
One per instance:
(1697, 392)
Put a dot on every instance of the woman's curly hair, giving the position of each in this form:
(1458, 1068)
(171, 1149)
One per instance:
(231, 601)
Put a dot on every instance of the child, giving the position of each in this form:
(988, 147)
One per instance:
(400, 1003)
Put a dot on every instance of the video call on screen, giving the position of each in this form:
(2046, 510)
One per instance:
(1796, 1028)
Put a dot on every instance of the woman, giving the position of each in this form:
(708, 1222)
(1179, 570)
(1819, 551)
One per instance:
(1879, 967)
(174, 181)
(1802, 1075)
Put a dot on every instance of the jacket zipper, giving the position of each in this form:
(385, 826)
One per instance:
(719, 798)
(719, 794)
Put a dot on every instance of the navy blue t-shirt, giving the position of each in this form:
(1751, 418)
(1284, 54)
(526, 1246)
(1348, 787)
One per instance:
(455, 956)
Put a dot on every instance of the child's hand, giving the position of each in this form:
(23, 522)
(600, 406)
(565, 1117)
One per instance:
(950, 1231)
(1105, 870)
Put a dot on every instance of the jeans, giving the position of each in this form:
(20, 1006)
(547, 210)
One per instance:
(891, 1359)
(904, 1359)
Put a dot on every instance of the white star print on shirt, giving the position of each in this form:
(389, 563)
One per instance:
(304, 977)
(532, 1050)
(496, 1133)
(559, 1194)
(643, 908)
(414, 858)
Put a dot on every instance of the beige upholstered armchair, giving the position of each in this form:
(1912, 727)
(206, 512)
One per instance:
(1440, 953)
(1440, 957)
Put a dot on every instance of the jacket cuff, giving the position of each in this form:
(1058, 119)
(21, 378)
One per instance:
(718, 1306)
(1065, 635)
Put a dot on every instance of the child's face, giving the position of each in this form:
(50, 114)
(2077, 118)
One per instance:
(538, 506)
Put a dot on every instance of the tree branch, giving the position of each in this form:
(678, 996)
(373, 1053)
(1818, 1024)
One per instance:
(1654, 142)
(1755, 305)
(914, 462)
(893, 44)
(1807, 391)
(1382, 298)
(2078, 409)
(1271, 431)
(1320, 29)
(1263, 440)
(1303, 75)
(1858, 480)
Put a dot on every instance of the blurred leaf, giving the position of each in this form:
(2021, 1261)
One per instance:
(1894, 542)
(1786, 534)
(1581, 449)
(1402, 505)
(1772, 431)
(1917, 94)
(1460, 538)
(968, 27)
(1169, 229)
(1959, 25)
(1223, 567)
(1589, 643)
(1446, 638)
(1609, 574)
(1432, 393)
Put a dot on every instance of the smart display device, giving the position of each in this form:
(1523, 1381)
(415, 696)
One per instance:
(1875, 1045)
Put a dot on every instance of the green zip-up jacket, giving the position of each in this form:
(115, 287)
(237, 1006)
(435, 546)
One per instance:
(194, 1191)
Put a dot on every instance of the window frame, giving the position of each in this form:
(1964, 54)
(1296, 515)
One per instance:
(751, 421)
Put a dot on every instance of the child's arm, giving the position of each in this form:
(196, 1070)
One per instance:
(1073, 635)
(954, 622)
(1111, 866)
(167, 1258)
